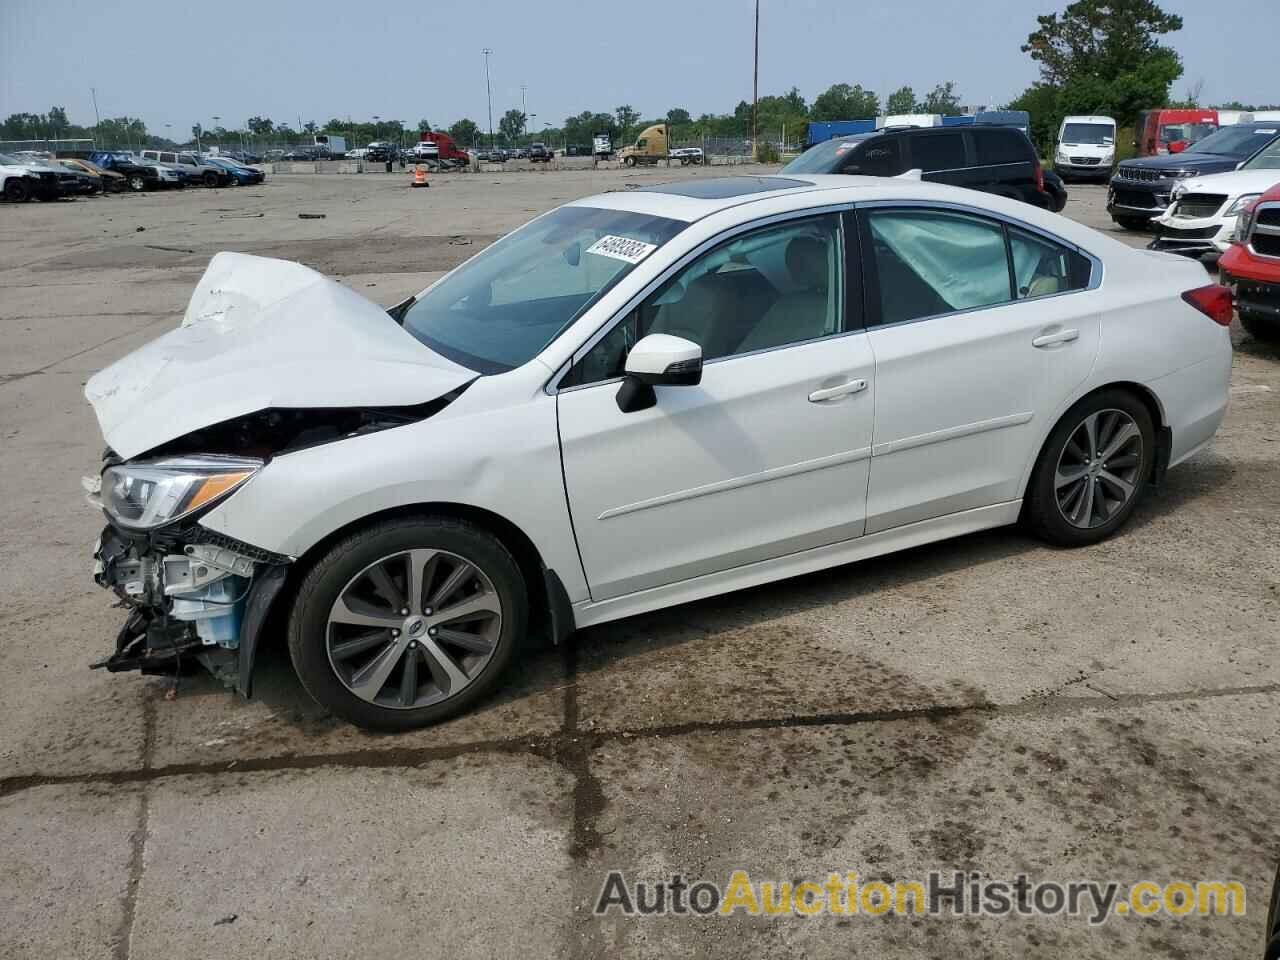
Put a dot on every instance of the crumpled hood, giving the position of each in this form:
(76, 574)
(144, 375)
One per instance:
(261, 333)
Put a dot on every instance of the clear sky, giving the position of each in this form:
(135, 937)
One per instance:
(184, 61)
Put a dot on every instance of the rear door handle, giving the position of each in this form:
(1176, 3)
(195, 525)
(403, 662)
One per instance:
(839, 390)
(1062, 336)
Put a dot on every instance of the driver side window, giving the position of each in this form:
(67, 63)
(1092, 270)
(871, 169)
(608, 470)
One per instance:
(768, 288)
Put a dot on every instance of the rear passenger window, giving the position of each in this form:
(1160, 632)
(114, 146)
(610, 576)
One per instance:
(1001, 146)
(930, 263)
(1042, 268)
(937, 151)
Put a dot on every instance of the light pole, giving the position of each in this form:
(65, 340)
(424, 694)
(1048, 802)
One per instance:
(488, 89)
(524, 110)
(755, 87)
(216, 121)
(377, 128)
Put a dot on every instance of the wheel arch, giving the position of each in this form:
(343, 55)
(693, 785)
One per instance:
(549, 606)
(1148, 398)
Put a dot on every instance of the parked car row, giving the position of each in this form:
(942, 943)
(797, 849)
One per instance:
(45, 176)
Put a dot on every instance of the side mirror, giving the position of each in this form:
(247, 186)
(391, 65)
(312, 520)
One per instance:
(658, 360)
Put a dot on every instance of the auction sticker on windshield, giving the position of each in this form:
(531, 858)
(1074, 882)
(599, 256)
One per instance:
(622, 248)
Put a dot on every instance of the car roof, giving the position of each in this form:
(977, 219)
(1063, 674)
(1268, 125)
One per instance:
(820, 190)
(1089, 119)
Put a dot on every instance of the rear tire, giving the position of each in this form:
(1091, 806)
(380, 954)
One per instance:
(137, 183)
(1092, 471)
(210, 179)
(1260, 327)
(369, 572)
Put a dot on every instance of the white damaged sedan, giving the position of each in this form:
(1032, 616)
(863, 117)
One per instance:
(633, 401)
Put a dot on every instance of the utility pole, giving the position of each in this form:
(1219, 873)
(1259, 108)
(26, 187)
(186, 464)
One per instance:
(755, 88)
(488, 89)
(524, 110)
(97, 117)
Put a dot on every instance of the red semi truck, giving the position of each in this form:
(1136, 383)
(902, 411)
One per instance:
(448, 153)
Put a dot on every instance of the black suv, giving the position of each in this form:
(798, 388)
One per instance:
(1141, 188)
(999, 160)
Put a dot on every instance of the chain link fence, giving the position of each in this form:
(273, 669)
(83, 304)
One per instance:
(46, 146)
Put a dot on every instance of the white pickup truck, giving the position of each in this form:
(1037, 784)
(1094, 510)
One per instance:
(687, 155)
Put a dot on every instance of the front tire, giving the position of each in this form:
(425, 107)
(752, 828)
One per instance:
(1092, 471)
(407, 622)
(16, 191)
(630, 161)
(1260, 326)
(210, 179)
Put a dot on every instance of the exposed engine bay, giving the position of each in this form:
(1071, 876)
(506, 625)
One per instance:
(190, 594)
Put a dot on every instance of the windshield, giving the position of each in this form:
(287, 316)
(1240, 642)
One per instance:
(9, 161)
(1268, 158)
(1094, 133)
(1185, 132)
(1238, 141)
(823, 158)
(499, 310)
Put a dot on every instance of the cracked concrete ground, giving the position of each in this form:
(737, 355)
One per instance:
(984, 704)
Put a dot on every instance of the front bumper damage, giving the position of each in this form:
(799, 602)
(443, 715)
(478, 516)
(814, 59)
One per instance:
(192, 596)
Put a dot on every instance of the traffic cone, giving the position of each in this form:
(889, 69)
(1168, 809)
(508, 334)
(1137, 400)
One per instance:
(420, 177)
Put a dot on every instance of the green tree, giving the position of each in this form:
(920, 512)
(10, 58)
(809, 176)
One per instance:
(511, 125)
(1041, 101)
(424, 126)
(261, 126)
(942, 99)
(902, 100)
(844, 102)
(679, 117)
(626, 116)
(465, 133)
(1108, 38)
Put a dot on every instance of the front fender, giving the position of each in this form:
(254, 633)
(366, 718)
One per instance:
(505, 460)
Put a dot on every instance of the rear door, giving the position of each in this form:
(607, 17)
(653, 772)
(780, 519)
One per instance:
(941, 156)
(980, 332)
(1005, 164)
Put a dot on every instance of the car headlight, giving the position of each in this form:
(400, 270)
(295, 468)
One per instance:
(1241, 203)
(149, 495)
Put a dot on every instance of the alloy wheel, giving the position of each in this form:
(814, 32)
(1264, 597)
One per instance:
(1099, 468)
(414, 628)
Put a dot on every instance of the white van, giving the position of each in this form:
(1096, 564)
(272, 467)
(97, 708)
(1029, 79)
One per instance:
(1086, 148)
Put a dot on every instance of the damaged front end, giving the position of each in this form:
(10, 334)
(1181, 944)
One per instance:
(270, 358)
(192, 595)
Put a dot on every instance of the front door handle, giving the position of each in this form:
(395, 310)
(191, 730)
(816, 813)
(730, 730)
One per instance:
(1049, 339)
(839, 390)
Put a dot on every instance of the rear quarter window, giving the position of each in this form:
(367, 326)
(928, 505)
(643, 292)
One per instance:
(1001, 146)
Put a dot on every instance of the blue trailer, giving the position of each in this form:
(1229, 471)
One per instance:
(964, 120)
(821, 131)
(1006, 118)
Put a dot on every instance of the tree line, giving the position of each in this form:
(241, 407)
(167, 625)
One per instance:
(1096, 57)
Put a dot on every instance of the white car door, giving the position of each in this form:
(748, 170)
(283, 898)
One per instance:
(980, 331)
(766, 456)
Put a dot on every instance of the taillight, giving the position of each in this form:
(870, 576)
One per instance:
(1214, 301)
(1039, 177)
